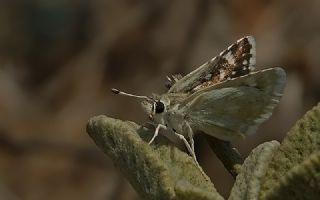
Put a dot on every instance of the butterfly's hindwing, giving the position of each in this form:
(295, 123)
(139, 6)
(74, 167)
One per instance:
(237, 60)
(236, 107)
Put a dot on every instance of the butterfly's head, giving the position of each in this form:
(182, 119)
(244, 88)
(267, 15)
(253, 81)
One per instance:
(153, 106)
(147, 106)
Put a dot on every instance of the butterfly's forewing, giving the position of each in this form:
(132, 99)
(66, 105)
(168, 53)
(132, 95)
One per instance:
(237, 60)
(236, 108)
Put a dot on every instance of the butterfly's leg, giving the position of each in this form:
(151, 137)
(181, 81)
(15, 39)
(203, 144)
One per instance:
(187, 128)
(191, 152)
(156, 132)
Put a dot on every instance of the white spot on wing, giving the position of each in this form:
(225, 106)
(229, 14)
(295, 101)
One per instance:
(230, 58)
(252, 42)
(222, 74)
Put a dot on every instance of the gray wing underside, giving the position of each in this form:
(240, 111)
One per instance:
(237, 107)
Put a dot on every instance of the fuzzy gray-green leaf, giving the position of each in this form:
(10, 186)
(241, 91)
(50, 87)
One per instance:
(301, 182)
(302, 141)
(248, 181)
(157, 171)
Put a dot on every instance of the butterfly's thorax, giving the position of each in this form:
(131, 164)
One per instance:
(173, 119)
(174, 111)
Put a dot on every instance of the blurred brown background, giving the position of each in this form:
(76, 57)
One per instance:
(59, 59)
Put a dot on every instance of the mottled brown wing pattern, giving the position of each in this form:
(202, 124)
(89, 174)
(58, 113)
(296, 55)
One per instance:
(237, 60)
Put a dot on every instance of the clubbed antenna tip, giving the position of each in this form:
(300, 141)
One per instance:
(115, 91)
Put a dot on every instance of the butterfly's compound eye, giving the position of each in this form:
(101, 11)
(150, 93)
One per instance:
(159, 107)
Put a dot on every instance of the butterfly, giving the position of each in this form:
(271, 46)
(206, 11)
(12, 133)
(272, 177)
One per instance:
(223, 98)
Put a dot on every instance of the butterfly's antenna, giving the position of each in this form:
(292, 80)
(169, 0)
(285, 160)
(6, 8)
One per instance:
(116, 91)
